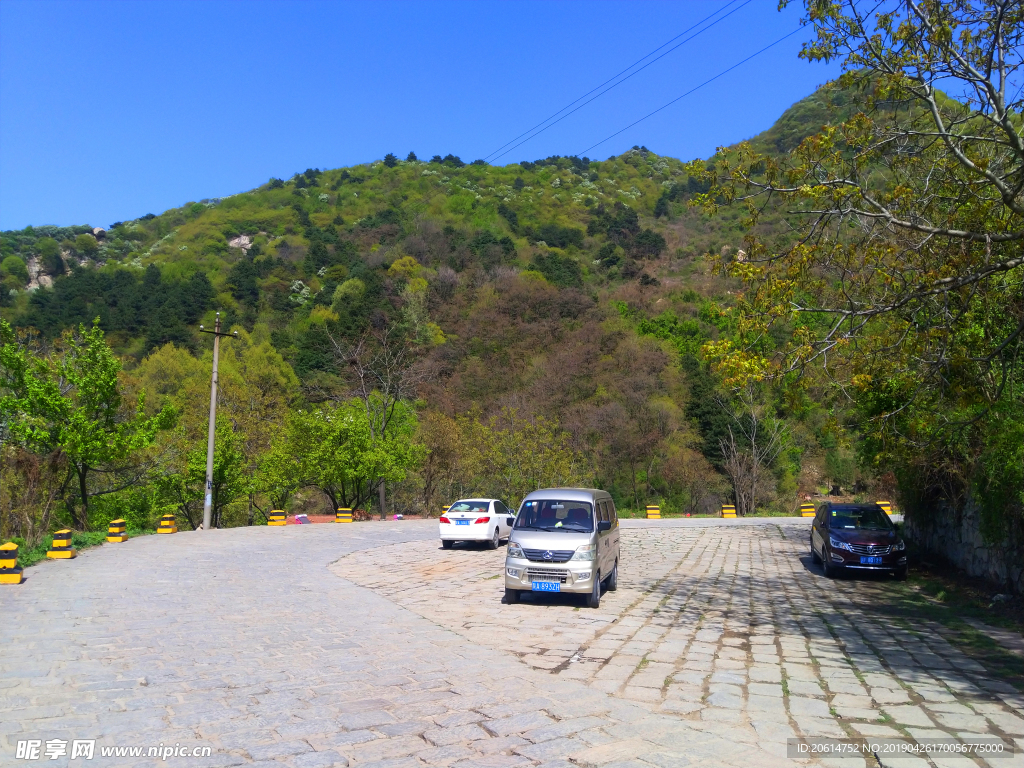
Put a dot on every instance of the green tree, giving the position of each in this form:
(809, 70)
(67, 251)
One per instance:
(335, 451)
(390, 160)
(904, 282)
(72, 402)
(184, 489)
(15, 268)
(86, 244)
(49, 256)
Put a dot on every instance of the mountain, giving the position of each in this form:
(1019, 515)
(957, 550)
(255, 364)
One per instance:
(567, 288)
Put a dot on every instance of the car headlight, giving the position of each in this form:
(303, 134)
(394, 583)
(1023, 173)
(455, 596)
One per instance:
(586, 552)
(900, 546)
(837, 544)
(514, 550)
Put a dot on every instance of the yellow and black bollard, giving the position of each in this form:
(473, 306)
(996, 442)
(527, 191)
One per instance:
(10, 573)
(277, 517)
(61, 548)
(728, 510)
(806, 510)
(653, 512)
(343, 515)
(117, 532)
(167, 525)
(886, 506)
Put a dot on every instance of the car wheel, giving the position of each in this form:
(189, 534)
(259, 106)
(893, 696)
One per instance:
(447, 544)
(594, 598)
(496, 540)
(511, 596)
(613, 578)
(815, 557)
(827, 568)
(901, 573)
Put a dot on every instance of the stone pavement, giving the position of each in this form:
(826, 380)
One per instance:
(368, 645)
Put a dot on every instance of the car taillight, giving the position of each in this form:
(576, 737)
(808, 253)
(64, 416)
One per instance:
(482, 520)
(445, 520)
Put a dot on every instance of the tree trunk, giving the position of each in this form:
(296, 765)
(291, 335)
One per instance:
(83, 522)
(383, 501)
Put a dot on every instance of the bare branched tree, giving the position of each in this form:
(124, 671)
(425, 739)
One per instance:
(755, 441)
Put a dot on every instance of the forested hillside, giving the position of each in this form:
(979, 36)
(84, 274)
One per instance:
(450, 328)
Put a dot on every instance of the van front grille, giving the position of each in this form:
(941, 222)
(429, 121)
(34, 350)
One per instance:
(537, 574)
(548, 555)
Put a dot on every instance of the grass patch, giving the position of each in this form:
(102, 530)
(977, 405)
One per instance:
(643, 663)
(28, 556)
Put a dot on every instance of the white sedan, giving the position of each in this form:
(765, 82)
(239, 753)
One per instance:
(476, 520)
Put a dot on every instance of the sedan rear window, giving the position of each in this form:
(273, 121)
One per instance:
(555, 515)
(859, 518)
(473, 507)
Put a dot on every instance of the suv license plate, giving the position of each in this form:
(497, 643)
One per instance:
(871, 561)
(546, 586)
(462, 522)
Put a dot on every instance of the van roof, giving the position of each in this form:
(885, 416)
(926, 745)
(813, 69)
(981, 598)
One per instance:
(568, 494)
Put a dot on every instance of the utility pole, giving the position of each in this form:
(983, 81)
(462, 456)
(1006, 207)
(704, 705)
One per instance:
(208, 501)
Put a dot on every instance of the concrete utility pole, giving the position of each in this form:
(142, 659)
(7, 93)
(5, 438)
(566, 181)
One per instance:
(208, 501)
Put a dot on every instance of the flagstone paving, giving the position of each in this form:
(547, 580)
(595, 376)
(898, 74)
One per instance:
(368, 645)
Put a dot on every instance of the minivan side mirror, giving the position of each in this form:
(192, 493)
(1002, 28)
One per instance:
(604, 525)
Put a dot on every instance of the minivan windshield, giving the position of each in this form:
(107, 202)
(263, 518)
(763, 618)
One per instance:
(859, 518)
(556, 515)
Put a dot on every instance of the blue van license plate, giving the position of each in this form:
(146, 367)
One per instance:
(546, 586)
(871, 561)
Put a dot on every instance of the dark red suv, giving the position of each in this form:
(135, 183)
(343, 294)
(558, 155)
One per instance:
(859, 537)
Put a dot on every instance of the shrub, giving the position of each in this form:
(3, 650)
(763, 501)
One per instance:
(15, 268)
(86, 244)
(559, 270)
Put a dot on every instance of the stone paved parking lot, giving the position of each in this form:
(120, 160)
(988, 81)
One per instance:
(369, 645)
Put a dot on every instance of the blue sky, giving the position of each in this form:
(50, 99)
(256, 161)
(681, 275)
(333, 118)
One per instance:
(110, 110)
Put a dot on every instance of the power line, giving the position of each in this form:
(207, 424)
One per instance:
(613, 77)
(666, 53)
(692, 90)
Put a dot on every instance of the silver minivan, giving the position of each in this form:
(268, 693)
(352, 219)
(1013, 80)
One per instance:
(564, 540)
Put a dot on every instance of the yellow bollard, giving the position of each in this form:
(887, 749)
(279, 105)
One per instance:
(116, 532)
(167, 524)
(61, 548)
(653, 512)
(10, 573)
(728, 510)
(343, 515)
(886, 506)
(807, 510)
(277, 517)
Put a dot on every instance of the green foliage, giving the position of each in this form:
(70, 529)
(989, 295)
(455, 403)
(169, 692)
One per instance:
(72, 402)
(14, 268)
(562, 271)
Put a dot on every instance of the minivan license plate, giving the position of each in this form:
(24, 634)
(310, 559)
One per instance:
(462, 522)
(546, 586)
(870, 561)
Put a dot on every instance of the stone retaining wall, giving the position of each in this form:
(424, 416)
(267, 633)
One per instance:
(955, 535)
